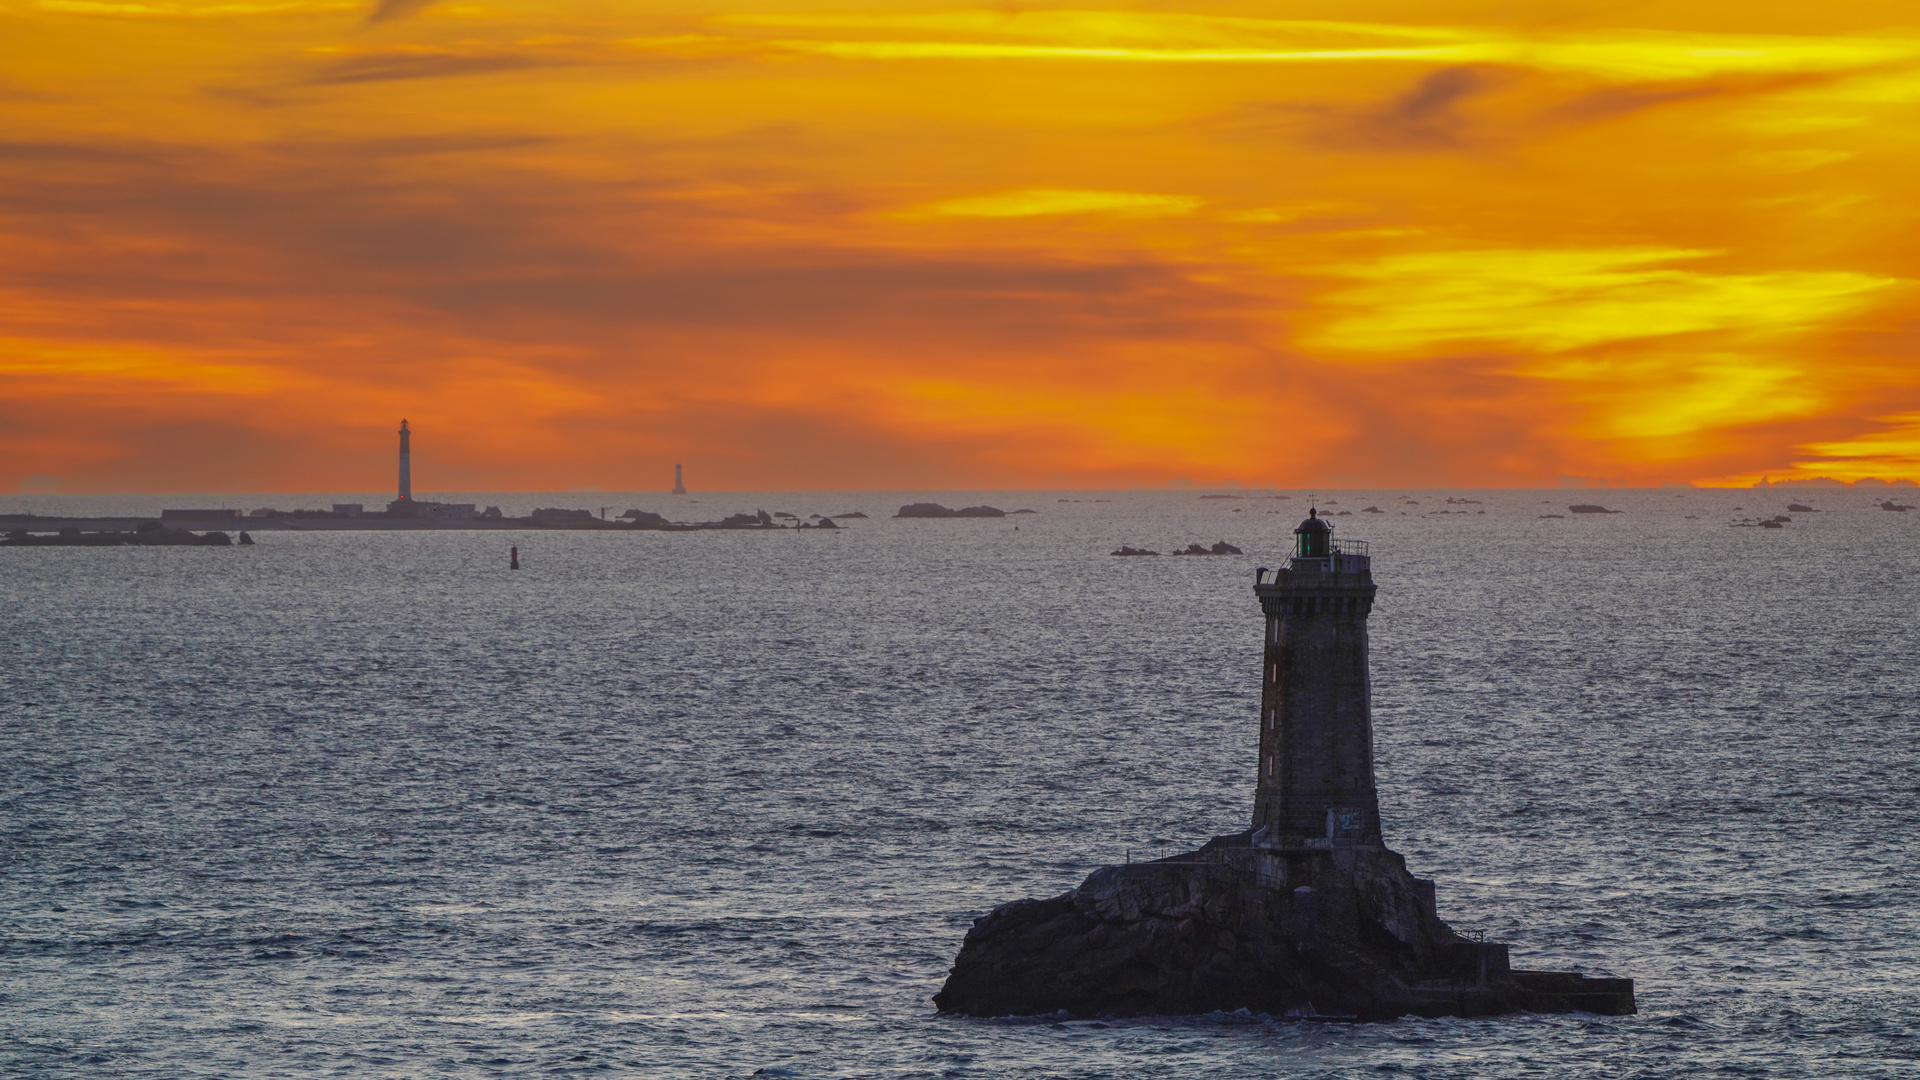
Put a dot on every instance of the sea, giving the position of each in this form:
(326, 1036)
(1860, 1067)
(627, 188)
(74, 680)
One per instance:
(724, 804)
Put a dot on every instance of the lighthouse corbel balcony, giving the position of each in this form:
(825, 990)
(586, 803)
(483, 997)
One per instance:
(1342, 557)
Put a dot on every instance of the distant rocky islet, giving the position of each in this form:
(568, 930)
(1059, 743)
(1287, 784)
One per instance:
(935, 510)
(1221, 548)
(148, 534)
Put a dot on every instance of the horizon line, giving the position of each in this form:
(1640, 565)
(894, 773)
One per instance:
(1307, 490)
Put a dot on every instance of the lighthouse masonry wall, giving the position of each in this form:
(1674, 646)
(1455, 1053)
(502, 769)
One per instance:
(1315, 771)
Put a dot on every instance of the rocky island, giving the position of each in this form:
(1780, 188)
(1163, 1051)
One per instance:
(1306, 913)
(146, 534)
(935, 510)
(1220, 548)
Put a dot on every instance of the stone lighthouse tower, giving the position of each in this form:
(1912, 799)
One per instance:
(1316, 713)
(406, 464)
(1308, 912)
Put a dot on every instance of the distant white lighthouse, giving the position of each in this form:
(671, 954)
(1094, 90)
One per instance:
(406, 466)
(406, 507)
(679, 486)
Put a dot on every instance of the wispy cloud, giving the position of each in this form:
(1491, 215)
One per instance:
(1558, 300)
(389, 10)
(1039, 202)
(1426, 117)
(191, 11)
(390, 62)
(1147, 37)
(1159, 29)
(1891, 451)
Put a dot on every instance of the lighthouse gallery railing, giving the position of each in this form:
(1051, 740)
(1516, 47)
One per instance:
(1348, 557)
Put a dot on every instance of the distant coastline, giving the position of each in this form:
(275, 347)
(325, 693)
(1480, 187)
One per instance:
(560, 520)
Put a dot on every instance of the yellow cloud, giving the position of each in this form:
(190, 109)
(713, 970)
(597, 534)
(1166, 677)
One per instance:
(1893, 452)
(1294, 211)
(1796, 123)
(1150, 37)
(987, 50)
(190, 11)
(1665, 399)
(117, 365)
(1799, 160)
(1034, 202)
(1163, 29)
(1558, 300)
(1650, 56)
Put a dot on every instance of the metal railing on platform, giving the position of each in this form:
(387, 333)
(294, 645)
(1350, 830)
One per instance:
(1346, 557)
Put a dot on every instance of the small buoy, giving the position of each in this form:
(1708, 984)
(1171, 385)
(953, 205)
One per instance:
(513, 558)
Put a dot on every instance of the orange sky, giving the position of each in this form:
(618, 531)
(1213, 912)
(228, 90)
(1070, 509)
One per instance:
(928, 246)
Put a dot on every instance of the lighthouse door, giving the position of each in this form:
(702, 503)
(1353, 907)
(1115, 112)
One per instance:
(1344, 823)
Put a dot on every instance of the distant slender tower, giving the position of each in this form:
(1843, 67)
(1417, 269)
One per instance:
(679, 486)
(1316, 713)
(406, 466)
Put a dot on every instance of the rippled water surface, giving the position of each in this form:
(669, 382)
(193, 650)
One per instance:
(706, 804)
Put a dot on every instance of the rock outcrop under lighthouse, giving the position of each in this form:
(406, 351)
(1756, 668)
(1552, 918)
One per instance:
(1346, 933)
(1308, 912)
